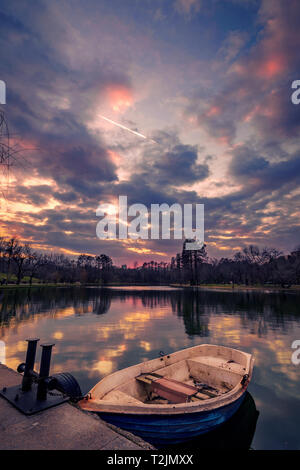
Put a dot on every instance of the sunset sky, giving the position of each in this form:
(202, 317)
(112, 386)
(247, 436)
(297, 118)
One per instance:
(207, 82)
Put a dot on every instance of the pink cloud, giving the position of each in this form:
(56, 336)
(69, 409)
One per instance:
(213, 111)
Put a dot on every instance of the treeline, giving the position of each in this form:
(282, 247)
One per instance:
(251, 266)
(19, 263)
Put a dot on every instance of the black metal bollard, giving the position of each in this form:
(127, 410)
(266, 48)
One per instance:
(44, 371)
(29, 364)
(31, 398)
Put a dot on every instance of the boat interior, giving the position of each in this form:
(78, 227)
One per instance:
(198, 378)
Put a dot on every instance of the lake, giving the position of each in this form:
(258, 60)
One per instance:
(97, 331)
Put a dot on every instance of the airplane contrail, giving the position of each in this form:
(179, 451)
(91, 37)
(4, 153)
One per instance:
(127, 129)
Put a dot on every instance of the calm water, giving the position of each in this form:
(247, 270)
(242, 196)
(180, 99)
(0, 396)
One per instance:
(97, 331)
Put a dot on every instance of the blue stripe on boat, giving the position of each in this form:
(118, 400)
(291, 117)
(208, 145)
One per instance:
(161, 430)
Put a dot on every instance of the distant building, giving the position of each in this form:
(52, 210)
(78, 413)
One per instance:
(124, 266)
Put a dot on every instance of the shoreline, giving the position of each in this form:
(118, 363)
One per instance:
(227, 287)
(239, 287)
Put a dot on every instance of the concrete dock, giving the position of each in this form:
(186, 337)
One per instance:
(62, 427)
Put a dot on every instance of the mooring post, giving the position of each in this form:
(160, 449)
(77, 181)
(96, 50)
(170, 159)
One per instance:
(31, 397)
(29, 364)
(44, 371)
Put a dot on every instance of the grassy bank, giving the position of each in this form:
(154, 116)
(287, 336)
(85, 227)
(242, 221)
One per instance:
(27, 286)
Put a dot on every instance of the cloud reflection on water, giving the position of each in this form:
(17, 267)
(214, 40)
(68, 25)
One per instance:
(98, 331)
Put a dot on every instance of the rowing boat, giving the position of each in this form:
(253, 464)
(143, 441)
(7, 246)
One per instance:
(176, 397)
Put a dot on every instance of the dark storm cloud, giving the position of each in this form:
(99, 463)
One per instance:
(279, 119)
(35, 195)
(255, 170)
(178, 166)
(171, 163)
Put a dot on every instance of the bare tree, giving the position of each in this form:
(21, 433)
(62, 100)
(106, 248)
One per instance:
(34, 261)
(12, 249)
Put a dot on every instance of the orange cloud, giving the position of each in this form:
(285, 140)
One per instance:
(115, 157)
(119, 97)
(146, 251)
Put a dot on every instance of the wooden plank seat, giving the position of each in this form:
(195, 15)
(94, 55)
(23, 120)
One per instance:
(149, 377)
(173, 390)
